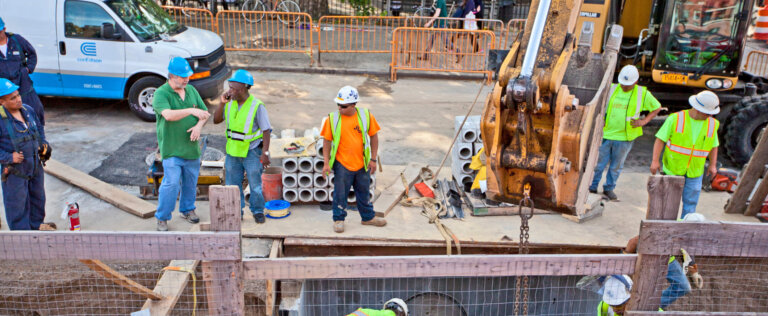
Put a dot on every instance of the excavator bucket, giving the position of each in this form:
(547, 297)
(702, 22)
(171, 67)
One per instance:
(542, 123)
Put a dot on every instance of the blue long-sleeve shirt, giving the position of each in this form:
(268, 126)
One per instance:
(21, 129)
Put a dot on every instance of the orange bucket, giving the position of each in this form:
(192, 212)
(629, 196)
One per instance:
(272, 183)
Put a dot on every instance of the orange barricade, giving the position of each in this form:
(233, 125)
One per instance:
(515, 27)
(357, 34)
(441, 49)
(757, 63)
(496, 26)
(266, 31)
(199, 18)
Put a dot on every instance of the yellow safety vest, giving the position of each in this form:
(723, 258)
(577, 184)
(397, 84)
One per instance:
(372, 312)
(681, 156)
(633, 113)
(364, 121)
(240, 125)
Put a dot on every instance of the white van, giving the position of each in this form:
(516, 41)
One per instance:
(113, 49)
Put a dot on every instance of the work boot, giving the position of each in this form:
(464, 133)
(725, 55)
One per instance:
(610, 195)
(162, 226)
(592, 191)
(191, 217)
(338, 226)
(47, 227)
(259, 218)
(376, 221)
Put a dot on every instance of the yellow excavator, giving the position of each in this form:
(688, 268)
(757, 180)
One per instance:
(542, 123)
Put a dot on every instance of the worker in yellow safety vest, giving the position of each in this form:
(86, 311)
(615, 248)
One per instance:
(616, 291)
(393, 307)
(688, 138)
(622, 125)
(350, 147)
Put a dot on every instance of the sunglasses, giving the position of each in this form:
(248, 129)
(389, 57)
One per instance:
(344, 106)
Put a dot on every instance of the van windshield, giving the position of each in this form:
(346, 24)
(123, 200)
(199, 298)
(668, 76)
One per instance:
(145, 18)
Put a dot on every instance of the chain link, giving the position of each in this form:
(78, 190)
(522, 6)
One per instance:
(521, 284)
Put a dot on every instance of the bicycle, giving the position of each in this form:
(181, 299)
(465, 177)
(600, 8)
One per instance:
(192, 4)
(276, 5)
(428, 11)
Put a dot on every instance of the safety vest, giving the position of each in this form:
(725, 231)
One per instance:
(364, 121)
(681, 156)
(633, 112)
(372, 312)
(240, 125)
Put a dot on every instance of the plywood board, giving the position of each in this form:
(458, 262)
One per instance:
(277, 146)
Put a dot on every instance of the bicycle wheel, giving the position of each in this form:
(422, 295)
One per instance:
(192, 4)
(288, 6)
(253, 5)
(422, 12)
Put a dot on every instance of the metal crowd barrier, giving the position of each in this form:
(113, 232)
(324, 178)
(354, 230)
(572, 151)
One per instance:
(199, 18)
(441, 50)
(496, 26)
(515, 27)
(757, 63)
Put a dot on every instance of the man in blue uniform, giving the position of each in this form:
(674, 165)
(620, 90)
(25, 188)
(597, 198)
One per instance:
(18, 60)
(23, 150)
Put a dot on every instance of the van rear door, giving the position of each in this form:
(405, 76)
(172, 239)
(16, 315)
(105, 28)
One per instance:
(91, 50)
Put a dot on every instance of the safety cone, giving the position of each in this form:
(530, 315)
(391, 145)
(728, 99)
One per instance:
(761, 30)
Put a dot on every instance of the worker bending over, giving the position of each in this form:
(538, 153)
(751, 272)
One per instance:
(622, 126)
(23, 150)
(351, 135)
(393, 307)
(616, 291)
(248, 133)
(688, 137)
(180, 114)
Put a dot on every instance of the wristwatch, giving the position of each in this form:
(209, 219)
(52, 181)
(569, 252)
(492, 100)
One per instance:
(266, 152)
(374, 160)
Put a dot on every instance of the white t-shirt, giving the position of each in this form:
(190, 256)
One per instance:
(4, 49)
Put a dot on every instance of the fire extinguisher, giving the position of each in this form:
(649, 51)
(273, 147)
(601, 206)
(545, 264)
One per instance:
(72, 211)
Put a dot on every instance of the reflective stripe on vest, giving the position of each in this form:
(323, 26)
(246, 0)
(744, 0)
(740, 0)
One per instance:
(239, 129)
(685, 156)
(363, 120)
(358, 313)
(639, 93)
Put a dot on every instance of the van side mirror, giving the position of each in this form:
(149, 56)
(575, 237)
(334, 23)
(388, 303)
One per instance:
(108, 31)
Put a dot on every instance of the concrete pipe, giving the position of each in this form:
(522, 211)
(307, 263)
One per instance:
(306, 164)
(477, 147)
(468, 135)
(318, 164)
(305, 195)
(290, 180)
(247, 193)
(464, 180)
(319, 147)
(351, 198)
(373, 183)
(463, 150)
(320, 194)
(290, 195)
(464, 167)
(330, 194)
(305, 180)
(319, 181)
(290, 165)
(331, 177)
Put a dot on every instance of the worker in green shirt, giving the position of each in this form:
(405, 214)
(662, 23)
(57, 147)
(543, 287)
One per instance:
(393, 307)
(622, 125)
(180, 114)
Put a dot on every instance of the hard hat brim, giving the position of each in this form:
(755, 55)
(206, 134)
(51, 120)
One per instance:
(627, 82)
(696, 105)
(183, 74)
(9, 91)
(341, 101)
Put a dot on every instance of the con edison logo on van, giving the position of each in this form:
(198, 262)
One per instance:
(88, 49)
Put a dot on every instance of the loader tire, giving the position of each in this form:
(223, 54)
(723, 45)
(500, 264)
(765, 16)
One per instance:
(744, 127)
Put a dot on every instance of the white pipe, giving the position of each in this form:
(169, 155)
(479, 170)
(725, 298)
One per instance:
(319, 147)
(464, 178)
(468, 135)
(477, 148)
(288, 133)
(305, 180)
(330, 194)
(463, 151)
(330, 180)
(534, 42)
(305, 195)
(212, 164)
(247, 193)
(351, 198)
(290, 180)
(318, 164)
(319, 181)
(290, 195)
(290, 165)
(373, 183)
(306, 164)
(320, 194)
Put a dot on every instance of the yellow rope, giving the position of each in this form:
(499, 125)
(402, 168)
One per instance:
(278, 213)
(194, 284)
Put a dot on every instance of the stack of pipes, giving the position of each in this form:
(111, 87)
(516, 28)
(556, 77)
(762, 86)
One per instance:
(467, 145)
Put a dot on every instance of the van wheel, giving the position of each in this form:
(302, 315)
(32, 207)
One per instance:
(140, 97)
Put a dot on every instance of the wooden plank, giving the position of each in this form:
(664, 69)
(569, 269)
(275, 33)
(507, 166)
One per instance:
(120, 279)
(393, 201)
(664, 196)
(437, 266)
(100, 189)
(756, 203)
(54, 245)
(752, 171)
(276, 146)
(224, 278)
(704, 239)
(272, 284)
(665, 313)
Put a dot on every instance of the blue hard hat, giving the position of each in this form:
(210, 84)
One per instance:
(2, 24)
(7, 87)
(180, 67)
(242, 76)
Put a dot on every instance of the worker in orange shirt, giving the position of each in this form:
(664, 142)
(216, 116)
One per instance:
(351, 135)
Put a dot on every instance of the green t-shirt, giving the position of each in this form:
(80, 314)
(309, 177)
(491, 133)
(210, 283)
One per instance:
(666, 130)
(615, 125)
(172, 137)
(440, 4)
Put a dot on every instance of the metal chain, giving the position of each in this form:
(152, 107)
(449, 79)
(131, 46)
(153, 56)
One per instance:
(525, 203)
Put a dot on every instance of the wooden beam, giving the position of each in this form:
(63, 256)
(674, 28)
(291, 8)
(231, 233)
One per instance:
(272, 284)
(665, 313)
(100, 189)
(704, 239)
(120, 279)
(37, 245)
(756, 203)
(749, 175)
(664, 196)
(224, 278)
(437, 266)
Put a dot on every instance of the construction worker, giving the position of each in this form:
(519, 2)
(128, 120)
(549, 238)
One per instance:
(393, 307)
(351, 134)
(248, 133)
(180, 114)
(688, 138)
(622, 126)
(18, 60)
(616, 291)
(23, 150)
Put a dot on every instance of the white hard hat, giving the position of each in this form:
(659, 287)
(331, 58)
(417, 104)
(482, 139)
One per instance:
(347, 95)
(398, 303)
(628, 75)
(705, 102)
(694, 217)
(616, 291)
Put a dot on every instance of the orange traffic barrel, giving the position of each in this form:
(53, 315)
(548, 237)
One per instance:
(761, 32)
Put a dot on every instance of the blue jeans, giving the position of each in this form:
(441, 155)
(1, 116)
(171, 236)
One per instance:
(252, 168)
(342, 182)
(678, 284)
(613, 152)
(178, 174)
(691, 192)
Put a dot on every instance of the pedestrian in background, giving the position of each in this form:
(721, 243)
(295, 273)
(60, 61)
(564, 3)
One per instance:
(248, 134)
(18, 60)
(180, 114)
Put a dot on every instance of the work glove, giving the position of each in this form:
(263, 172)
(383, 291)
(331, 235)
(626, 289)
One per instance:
(692, 270)
(45, 153)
